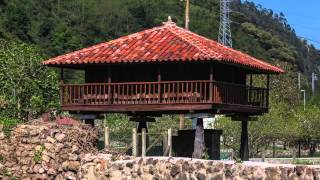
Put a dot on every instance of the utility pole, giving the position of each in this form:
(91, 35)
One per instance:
(187, 19)
(225, 28)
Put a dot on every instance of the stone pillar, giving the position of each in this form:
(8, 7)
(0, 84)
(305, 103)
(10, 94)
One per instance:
(199, 144)
(244, 147)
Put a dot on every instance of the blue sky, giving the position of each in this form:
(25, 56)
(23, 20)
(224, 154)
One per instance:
(302, 15)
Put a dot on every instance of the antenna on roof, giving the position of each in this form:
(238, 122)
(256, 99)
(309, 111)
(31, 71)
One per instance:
(225, 29)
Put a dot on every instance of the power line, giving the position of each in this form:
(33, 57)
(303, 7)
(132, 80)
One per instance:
(314, 41)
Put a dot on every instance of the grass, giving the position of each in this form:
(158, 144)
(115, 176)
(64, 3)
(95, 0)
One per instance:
(303, 162)
(206, 155)
(8, 124)
(38, 154)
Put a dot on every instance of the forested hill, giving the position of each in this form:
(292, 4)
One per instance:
(60, 26)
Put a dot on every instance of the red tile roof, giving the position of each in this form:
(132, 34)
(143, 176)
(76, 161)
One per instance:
(164, 43)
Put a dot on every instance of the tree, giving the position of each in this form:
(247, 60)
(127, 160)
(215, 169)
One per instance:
(27, 87)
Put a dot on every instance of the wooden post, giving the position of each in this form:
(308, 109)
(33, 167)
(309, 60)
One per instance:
(106, 137)
(181, 124)
(299, 149)
(144, 144)
(170, 142)
(109, 86)
(134, 142)
(159, 85)
(244, 149)
(61, 74)
(165, 144)
(263, 154)
(211, 83)
(268, 88)
(250, 89)
(273, 149)
(62, 95)
(293, 152)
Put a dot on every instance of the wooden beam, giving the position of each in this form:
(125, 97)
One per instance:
(159, 85)
(109, 86)
(142, 125)
(141, 118)
(250, 89)
(137, 107)
(159, 74)
(109, 76)
(167, 108)
(244, 147)
(61, 75)
(211, 83)
(268, 89)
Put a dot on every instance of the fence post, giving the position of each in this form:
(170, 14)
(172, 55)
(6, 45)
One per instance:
(106, 137)
(143, 149)
(134, 142)
(165, 144)
(170, 142)
(263, 155)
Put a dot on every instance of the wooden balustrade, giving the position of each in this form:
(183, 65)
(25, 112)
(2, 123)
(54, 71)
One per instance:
(164, 92)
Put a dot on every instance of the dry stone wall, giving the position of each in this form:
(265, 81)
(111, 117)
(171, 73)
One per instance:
(49, 151)
(45, 151)
(153, 168)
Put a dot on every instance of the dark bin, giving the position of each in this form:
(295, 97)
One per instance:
(183, 143)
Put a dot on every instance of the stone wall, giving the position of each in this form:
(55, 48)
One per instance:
(49, 151)
(101, 167)
(45, 151)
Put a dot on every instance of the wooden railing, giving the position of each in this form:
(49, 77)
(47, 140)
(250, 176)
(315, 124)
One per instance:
(164, 92)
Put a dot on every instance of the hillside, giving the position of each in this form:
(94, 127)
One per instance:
(62, 26)
(58, 27)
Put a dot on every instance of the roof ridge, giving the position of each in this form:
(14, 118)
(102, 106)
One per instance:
(187, 40)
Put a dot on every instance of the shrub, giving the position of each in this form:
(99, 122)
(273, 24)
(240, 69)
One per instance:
(9, 123)
(38, 154)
